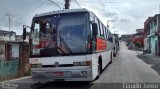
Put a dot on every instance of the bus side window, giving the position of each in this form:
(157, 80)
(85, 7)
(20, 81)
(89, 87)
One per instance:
(105, 30)
(92, 20)
(107, 34)
(102, 31)
(96, 21)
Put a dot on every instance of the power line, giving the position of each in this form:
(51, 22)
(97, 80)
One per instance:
(116, 1)
(78, 4)
(19, 20)
(100, 2)
(31, 11)
(55, 4)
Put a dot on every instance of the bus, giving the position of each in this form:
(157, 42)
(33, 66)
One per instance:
(68, 45)
(116, 45)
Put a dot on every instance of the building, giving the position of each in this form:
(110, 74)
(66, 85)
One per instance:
(125, 37)
(138, 38)
(7, 35)
(154, 34)
(20, 37)
(146, 32)
(14, 57)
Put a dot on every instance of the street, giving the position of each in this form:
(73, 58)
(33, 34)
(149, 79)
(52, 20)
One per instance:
(127, 67)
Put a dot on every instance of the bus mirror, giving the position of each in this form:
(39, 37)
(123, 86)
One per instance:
(94, 29)
(24, 33)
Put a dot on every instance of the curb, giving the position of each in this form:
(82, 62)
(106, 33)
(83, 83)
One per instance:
(5, 81)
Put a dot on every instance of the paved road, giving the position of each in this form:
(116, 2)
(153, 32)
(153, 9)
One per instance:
(127, 67)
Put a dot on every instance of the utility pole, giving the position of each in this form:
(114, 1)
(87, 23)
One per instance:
(9, 23)
(67, 4)
(159, 9)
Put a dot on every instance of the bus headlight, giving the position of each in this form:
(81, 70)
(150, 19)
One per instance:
(84, 63)
(36, 65)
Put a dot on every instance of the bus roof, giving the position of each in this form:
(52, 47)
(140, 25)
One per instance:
(61, 12)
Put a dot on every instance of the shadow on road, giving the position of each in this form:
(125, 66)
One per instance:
(79, 85)
(62, 85)
(155, 65)
(145, 59)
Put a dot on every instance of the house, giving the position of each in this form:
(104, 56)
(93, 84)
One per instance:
(7, 35)
(136, 40)
(19, 38)
(27, 36)
(146, 32)
(14, 57)
(124, 37)
(154, 37)
(139, 38)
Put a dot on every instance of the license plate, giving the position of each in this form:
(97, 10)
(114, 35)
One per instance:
(58, 73)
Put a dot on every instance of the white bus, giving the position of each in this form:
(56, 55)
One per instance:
(69, 45)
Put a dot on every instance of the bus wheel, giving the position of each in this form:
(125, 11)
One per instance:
(114, 54)
(99, 69)
(111, 59)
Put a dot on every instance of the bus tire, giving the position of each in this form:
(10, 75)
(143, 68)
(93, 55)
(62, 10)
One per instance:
(114, 54)
(99, 69)
(111, 58)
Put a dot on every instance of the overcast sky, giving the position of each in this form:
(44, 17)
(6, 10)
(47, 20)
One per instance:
(129, 14)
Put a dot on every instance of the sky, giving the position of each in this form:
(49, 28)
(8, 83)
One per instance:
(128, 15)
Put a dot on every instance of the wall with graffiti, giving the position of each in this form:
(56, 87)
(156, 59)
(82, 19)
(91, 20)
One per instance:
(11, 59)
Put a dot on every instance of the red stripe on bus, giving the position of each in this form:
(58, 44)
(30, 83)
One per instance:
(101, 44)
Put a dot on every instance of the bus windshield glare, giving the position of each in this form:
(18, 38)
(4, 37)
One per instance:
(63, 34)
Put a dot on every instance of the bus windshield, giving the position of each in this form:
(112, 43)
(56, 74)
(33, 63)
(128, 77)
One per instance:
(64, 34)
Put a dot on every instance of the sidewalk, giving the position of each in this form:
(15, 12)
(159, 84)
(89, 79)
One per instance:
(18, 80)
(153, 58)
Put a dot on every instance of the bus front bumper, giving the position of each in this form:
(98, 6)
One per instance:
(81, 73)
